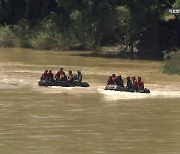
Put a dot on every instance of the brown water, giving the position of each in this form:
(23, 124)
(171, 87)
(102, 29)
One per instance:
(85, 120)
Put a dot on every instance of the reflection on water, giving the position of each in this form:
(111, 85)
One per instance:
(91, 120)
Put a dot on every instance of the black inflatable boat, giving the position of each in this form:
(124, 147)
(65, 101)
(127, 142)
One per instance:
(62, 84)
(118, 88)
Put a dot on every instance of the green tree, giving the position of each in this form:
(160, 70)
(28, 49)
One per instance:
(144, 23)
(177, 6)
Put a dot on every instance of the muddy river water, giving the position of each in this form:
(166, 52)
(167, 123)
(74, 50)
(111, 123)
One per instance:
(56, 120)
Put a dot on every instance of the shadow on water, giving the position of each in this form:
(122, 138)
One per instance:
(130, 56)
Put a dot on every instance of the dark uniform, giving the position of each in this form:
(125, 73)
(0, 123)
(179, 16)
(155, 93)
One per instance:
(44, 75)
(110, 81)
(119, 81)
(78, 77)
(59, 73)
(70, 77)
(129, 83)
(50, 75)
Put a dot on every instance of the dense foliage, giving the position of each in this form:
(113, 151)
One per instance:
(172, 62)
(131, 25)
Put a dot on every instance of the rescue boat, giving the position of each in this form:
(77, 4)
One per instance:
(119, 88)
(47, 83)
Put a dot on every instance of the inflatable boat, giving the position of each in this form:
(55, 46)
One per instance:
(119, 88)
(47, 83)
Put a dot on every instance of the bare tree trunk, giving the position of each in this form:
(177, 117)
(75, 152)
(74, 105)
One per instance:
(27, 9)
(3, 3)
(131, 46)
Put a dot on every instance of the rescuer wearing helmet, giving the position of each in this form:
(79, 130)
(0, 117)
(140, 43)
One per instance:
(110, 81)
(44, 75)
(50, 76)
(135, 84)
(140, 83)
(78, 77)
(70, 77)
(63, 77)
(119, 81)
(59, 73)
(129, 82)
(114, 78)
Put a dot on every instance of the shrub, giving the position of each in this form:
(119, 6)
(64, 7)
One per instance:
(23, 33)
(7, 37)
(46, 41)
(172, 62)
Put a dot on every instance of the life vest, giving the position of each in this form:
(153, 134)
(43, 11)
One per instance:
(114, 79)
(57, 74)
(50, 76)
(141, 84)
(63, 77)
(44, 76)
(110, 82)
(135, 84)
(71, 78)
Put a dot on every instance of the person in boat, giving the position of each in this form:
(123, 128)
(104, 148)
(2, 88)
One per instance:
(119, 81)
(63, 77)
(50, 76)
(78, 79)
(114, 78)
(70, 77)
(110, 81)
(140, 83)
(129, 83)
(59, 73)
(135, 84)
(44, 75)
